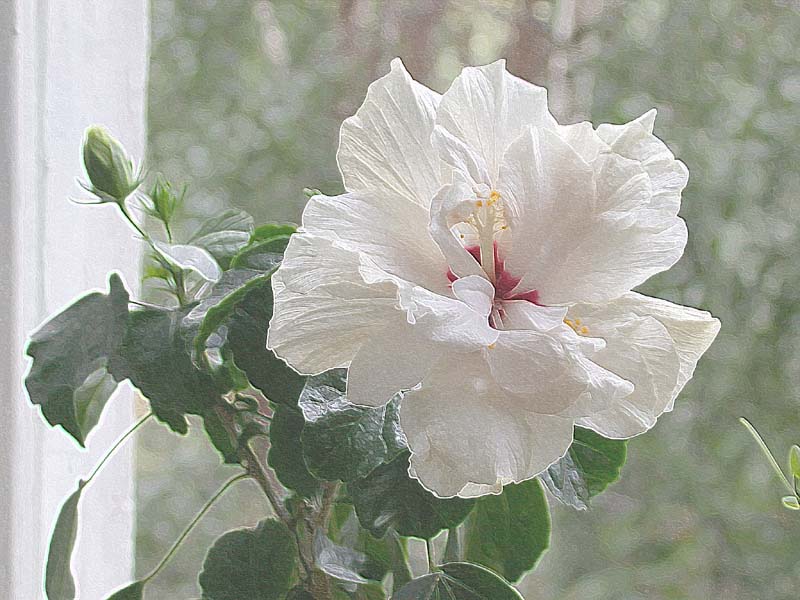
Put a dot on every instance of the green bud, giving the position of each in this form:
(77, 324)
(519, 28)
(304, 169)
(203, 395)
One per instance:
(791, 502)
(108, 166)
(794, 461)
(164, 201)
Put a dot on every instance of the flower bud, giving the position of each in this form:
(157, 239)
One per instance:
(108, 166)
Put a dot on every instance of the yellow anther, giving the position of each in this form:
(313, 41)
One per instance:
(492, 346)
(479, 203)
(494, 196)
(576, 326)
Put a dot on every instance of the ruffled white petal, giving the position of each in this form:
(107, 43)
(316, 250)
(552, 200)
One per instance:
(386, 147)
(484, 110)
(392, 360)
(398, 357)
(451, 206)
(582, 232)
(469, 437)
(323, 309)
(553, 372)
(635, 140)
(394, 235)
(692, 330)
(653, 343)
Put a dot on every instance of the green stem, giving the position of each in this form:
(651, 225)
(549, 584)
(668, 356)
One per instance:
(453, 551)
(431, 557)
(765, 449)
(191, 525)
(116, 445)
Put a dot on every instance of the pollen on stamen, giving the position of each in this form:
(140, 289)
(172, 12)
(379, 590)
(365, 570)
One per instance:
(494, 196)
(492, 346)
(479, 203)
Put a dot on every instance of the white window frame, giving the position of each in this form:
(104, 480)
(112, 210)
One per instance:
(64, 64)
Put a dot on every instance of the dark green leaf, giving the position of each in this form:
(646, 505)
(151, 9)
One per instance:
(398, 554)
(286, 452)
(508, 533)
(262, 255)
(340, 562)
(134, 591)
(298, 593)
(246, 345)
(58, 581)
(591, 464)
(346, 531)
(154, 358)
(458, 581)
(250, 564)
(230, 219)
(205, 318)
(342, 441)
(269, 231)
(223, 439)
(71, 353)
(389, 498)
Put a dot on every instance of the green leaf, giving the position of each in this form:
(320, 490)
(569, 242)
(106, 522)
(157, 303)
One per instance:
(154, 358)
(221, 437)
(246, 345)
(458, 581)
(794, 461)
(224, 234)
(59, 583)
(268, 231)
(262, 255)
(250, 564)
(342, 441)
(389, 498)
(345, 530)
(134, 591)
(186, 257)
(591, 464)
(286, 453)
(510, 532)
(340, 562)
(71, 353)
(206, 318)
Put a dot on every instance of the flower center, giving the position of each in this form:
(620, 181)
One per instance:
(484, 224)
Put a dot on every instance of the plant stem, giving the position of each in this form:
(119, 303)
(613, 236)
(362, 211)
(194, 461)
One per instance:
(191, 525)
(453, 550)
(116, 445)
(431, 558)
(266, 481)
(765, 449)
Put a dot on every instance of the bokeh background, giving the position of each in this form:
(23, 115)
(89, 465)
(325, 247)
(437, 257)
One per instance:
(246, 98)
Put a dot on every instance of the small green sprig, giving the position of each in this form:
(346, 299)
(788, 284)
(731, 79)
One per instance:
(791, 501)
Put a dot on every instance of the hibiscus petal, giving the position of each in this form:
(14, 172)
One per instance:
(635, 140)
(582, 232)
(386, 147)
(469, 437)
(393, 234)
(452, 205)
(552, 371)
(653, 343)
(484, 110)
(393, 360)
(320, 295)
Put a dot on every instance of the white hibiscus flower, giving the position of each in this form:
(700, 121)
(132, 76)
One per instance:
(483, 259)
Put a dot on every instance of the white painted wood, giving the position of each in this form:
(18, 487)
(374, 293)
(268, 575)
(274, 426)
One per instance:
(64, 64)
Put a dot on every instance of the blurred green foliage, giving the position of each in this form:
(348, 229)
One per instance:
(246, 98)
